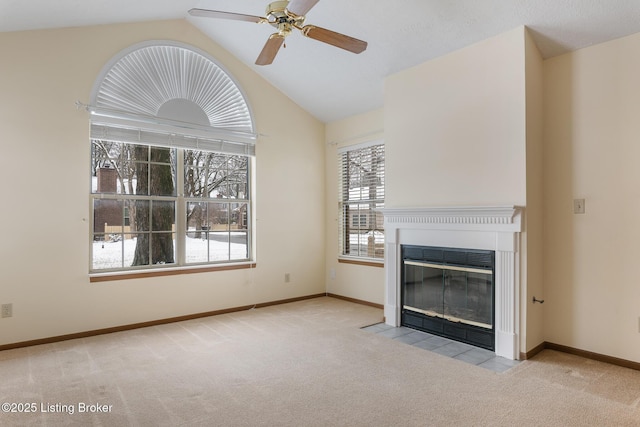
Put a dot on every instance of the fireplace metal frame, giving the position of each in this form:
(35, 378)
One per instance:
(449, 259)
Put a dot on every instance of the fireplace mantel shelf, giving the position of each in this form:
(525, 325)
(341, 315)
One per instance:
(507, 214)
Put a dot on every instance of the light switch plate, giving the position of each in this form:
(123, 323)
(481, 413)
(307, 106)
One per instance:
(7, 310)
(578, 206)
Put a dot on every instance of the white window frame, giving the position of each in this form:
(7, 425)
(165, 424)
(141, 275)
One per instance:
(180, 200)
(369, 240)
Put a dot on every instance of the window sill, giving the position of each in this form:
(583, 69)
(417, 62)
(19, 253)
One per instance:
(126, 275)
(369, 262)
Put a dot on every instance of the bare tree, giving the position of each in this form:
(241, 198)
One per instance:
(212, 175)
(154, 178)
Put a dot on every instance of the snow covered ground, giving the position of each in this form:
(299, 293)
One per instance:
(110, 255)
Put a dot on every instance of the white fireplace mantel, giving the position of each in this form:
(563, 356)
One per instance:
(495, 228)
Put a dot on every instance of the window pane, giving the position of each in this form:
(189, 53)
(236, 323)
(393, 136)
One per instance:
(129, 248)
(197, 248)
(106, 180)
(108, 216)
(196, 218)
(239, 216)
(163, 248)
(213, 175)
(140, 178)
(219, 249)
(219, 220)
(364, 230)
(162, 182)
(107, 253)
(219, 216)
(163, 215)
(238, 238)
(239, 245)
(196, 240)
(107, 172)
(141, 215)
(139, 153)
(192, 181)
(237, 177)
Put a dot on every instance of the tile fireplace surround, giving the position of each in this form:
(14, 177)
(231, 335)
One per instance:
(495, 228)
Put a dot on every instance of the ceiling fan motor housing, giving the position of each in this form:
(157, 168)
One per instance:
(281, 18)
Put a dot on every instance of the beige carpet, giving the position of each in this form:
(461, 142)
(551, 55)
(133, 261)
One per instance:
(300, 364)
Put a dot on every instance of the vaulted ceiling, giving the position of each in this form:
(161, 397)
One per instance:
(332, 83)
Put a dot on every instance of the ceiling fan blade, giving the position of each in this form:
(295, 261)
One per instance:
(225, 15)
(301, 7)
(270, 49)
(336, 39)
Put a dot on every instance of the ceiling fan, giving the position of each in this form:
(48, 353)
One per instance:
(286, 16)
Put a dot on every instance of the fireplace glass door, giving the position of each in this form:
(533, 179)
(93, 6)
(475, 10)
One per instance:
(449, 299)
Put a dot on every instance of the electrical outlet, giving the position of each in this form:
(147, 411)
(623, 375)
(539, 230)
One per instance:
(287, 277)
(7, 310)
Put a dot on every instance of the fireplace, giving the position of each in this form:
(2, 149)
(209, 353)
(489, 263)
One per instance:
(493, 229)
(449, 292)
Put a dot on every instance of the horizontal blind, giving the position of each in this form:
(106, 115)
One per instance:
(362, 193)
(362, 174)
(355, 147)
(170, 140)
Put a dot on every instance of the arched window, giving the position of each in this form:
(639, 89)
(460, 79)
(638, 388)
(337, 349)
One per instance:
(172, 141)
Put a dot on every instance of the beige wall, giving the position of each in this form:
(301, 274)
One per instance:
(591, 151)
(45, 174)
(365, 283)
(455, 128)
(532, 280)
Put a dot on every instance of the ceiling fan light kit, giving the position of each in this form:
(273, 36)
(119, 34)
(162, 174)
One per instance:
(286, 16)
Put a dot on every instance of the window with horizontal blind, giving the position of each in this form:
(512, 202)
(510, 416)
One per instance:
(172, 145)
(361, 194)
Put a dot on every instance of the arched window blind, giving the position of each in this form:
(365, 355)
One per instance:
(171, 95)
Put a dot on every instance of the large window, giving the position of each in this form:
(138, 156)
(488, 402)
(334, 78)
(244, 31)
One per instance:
(172, 140)
(155, 206)
(361, 195)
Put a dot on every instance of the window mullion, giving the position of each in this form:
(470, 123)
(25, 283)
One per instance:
(181, 208)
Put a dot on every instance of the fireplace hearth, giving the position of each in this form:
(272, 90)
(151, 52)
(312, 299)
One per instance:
(449, 292)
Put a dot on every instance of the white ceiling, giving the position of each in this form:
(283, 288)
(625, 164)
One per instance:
(331, 83)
